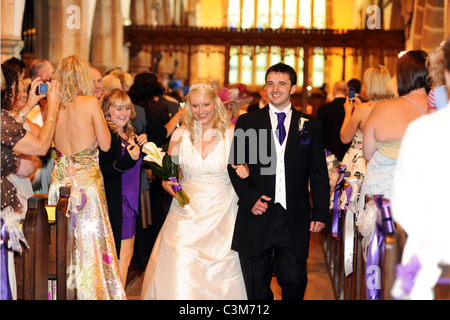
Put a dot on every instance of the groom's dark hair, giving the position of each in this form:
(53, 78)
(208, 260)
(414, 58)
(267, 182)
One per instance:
(284, 68)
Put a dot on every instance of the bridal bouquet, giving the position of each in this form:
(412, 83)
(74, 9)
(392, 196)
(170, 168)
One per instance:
(165, 168)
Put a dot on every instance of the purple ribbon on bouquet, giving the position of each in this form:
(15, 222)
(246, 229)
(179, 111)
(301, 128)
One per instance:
(375, 251)
(175, 187)
(5, 289)
(336, 208)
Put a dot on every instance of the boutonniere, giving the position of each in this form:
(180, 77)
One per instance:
(301, 130)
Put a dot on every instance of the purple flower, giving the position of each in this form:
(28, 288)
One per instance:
(407, 274)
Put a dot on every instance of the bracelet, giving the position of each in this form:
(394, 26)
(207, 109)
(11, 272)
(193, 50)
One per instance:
(52, 120)
(22, 115)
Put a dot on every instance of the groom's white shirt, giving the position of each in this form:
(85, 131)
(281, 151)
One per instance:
(280, 175)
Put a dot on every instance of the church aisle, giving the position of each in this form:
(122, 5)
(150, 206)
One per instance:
(319, 283)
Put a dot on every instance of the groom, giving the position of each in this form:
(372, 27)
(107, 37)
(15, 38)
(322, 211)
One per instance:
(284, 151)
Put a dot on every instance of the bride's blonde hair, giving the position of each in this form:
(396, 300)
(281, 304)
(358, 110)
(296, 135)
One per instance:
(205, 88)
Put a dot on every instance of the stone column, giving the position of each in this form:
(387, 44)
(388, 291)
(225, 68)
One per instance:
(427, 29)
(447, 21)
(63, 28)
(11, 28)
(107, 36)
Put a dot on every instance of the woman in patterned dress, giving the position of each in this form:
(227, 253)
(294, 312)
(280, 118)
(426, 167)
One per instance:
(80, 130)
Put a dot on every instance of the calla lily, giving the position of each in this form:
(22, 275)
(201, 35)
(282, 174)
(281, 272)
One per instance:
(301, 123)
(165, 168)
(152, 158)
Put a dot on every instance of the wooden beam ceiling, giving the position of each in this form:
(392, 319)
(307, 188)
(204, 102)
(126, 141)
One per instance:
(363, 39)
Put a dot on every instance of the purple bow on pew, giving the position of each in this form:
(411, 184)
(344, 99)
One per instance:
(336, 207)
(5, 289)
(375, 251)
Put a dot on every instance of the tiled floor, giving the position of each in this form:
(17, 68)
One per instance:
(319, 283)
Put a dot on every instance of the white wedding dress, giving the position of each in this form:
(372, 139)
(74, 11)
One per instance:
(192, 257)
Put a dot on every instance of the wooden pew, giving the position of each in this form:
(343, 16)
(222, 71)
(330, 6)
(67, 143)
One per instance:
(32, 264)
(442, 290)
(47, 257)
(59, 249)
(393, 249)
(354, 286)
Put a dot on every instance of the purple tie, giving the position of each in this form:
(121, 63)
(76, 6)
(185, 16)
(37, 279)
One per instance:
(281, 130)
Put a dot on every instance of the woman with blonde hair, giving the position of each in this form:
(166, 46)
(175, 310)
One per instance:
(376, 79)
(120, 167)
(80, 131)
(388, 122)
(192, 257)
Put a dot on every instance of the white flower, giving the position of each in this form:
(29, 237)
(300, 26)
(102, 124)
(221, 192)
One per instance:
(154, 154)
(301, 123)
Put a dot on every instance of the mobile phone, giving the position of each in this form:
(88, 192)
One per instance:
(42, 89)
(351, 94)
(182, 105)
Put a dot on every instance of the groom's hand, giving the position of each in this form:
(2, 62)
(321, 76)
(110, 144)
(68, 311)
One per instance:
(261, 205)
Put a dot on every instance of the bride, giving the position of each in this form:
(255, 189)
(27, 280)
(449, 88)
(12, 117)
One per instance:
(192, 257)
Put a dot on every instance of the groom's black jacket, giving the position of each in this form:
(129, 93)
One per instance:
(305, 167)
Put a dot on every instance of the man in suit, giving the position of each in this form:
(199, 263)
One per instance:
(274, 220)
(332, 116)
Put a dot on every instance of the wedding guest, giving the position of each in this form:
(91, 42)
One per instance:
(356, 113)
(97, 81)
(43, 69)
(41, 179)
(360, 90)
(420, 201)
(332, 115)
(126, 81)
(121, 167)
(16, 140)
(21, 180)
(234, 97)
(81, 130)
(110, 82)
(275, 217)
(261, 103)
(17, 65)
(192, 256)
(437, 97)
(388, 121)
(160, 125)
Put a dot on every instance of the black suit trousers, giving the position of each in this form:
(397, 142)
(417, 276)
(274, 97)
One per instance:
(279, 257)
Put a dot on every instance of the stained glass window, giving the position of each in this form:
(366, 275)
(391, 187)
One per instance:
(250, 67)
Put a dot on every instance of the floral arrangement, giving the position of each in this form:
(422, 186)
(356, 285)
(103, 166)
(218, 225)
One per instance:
(165, 168)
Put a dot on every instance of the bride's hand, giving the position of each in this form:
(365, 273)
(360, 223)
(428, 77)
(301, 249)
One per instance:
(241, 170)
(167, 185)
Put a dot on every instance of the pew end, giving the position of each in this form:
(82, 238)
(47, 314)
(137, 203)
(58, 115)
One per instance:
(47, 257)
